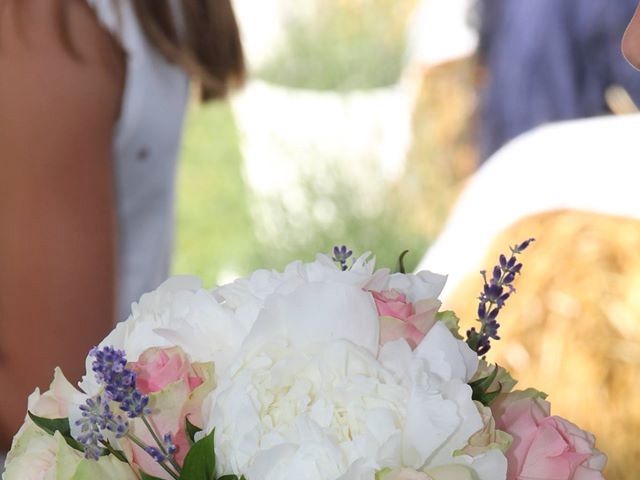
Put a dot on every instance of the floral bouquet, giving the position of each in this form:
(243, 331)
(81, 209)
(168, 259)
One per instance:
(330, 370)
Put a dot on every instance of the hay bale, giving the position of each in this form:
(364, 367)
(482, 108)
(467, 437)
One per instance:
(573, 329)
(443, 154)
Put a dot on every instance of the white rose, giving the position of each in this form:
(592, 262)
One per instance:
(36, 455)
(55, 402)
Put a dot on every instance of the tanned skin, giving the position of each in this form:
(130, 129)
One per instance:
(57, 208)
(631, 41)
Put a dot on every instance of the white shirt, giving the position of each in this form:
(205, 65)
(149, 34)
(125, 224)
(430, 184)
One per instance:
(145, 151)
(440, 31)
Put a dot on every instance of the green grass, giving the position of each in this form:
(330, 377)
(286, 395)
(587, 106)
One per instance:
(214, 230)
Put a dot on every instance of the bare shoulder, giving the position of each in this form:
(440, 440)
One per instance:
(56, 51)
(48, 24)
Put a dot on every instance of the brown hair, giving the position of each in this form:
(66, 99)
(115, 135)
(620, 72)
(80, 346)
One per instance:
(210, 48)
(204, 39)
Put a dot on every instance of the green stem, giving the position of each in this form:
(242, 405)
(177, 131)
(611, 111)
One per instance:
(156, 438)
(143, 446)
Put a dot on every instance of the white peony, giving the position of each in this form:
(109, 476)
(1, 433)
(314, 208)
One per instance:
(297, 413)
(247, 296)
(179, 313)
(312, 396)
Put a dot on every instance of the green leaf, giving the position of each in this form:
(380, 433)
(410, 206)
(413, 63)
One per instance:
(53, 425)
(481, 386)
(230, 477)
(200, 463)
(191, 430)
(487, 398)
(119, 454)
(451, 321)
(146, 476)
(401, 267)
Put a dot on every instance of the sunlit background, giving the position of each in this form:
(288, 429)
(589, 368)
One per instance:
(325, 144)
(362, 124)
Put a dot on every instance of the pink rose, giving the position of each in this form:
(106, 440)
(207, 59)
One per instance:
(400, 318)
(156, 368)
(545, 447)
(176, 389)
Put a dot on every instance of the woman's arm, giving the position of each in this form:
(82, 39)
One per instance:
(57, 220)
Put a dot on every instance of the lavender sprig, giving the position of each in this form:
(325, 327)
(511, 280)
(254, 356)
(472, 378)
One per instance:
(156, 454)
(119, 387)
(166, 446)
(119, 382)
(96, 418)
(495, 293)
(341, 255)
(169, 446)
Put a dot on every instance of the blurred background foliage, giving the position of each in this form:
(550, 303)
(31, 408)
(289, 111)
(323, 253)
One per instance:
(343, 45)
(216, 236)
(214, 229)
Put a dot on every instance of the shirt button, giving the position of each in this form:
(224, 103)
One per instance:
(142, 154)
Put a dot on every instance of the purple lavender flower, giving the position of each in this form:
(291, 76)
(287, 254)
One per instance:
(119, 385)
(119, 382)
(496, 291)
(119, 388)
(156, 454)
(96, 418)
(341, 255)
(169, 446)
(135, 404)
